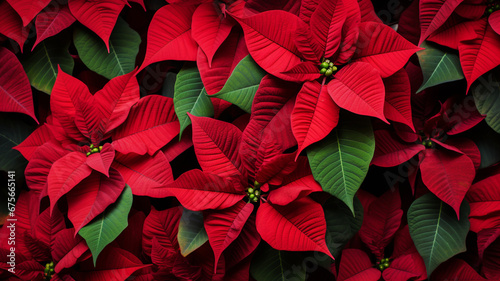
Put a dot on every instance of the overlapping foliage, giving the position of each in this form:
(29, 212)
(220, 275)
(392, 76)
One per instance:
(251, 140)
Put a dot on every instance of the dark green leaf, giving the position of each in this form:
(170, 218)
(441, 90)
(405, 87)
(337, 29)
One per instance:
(486, 91)
(192, 234)
(269, 264)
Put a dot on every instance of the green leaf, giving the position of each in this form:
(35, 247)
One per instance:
(340, 161)
(123, 48)
(41, 64)
(486, 92)
(438, 66)
(436, 231)
(107, 226)
(269, 264)
(190, 96)
(242, 85)
(13, 131)
(341, 225)
(192, 234)
(168, 88)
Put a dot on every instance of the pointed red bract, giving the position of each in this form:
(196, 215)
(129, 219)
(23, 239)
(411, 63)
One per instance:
(397, 105)
(326, 25)
(67, 249)
(40, 136)
(294, 190)
(198, 191)
(269, 37)
(356, 266)
(433, 14)
(11, 25)
(169, 35)
(210, 29)
(40, 164)
(456, 269)
(100, 17)
(388, 55)
(50, 22)
(475, 55)
(350, 31)
(28, 9)
(92, 196)
(484, 198)
(390, 151)
(223, 227)
(102, 161)
(216, 144)
(381, 222)
(151, 124)
(358, 88)
(298, 226)
(448, 175)
(143, 172)
(15, 89)
(314, 115)
(407, 267)
(65, 174)
(162, 225)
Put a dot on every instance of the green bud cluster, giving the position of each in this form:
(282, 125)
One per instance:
(427, 143)
(49, 271)
(254, 193)
(327, 68)
(383, 264)
(94, 149)
(492, 6)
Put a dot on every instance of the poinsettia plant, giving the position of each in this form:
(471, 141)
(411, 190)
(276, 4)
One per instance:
(249, 140)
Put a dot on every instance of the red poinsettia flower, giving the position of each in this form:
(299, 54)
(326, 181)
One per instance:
(340, 52)
(447, 163)
(470, 26)
(88, 150)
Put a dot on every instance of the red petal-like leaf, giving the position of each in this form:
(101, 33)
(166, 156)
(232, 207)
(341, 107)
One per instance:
(454, 31)
(433, 14)
(491, 261)
(484, 199)
(397, 105)
(112, 263)
(15, 89)
(298, 226)
(494, 21)
(169, 35)
(485, 238)
(40, 136)
(216, 144)
(102, 161)
(100, 16)
(52, 21)
(468, 147)
(381, 222)
(40, 164)
(406, 267)
(28, 9)
(448, 175)
(198, 191)
(92, 196)
(11, 25)
(388, 55)
(307, 8)
(274, 169)
(456, 269)
(269, 36)
(475, 55)
(294, 190)
(162, 225)
(116, 98)
(209, 29)
(223, 227)
(350, 31)
(314, 115)
(65, 174)
(67, 249)
(304, 71)
(390, 151)
(143, 172)
(225, 59)
(326, 25)
(244, 245)
(358, 88)
(356, 266)
(150, 125)
(307, 45)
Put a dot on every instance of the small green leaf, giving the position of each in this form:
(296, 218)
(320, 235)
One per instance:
(486, 92)
(41, 64)
(190, 96)
(269, 264)
(107, 226)
(192, 234)
(242, 85)
(436, 231)
(438, 66)
(341, 225)
(340, 161)
(123, 48)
